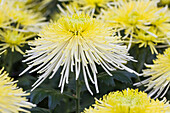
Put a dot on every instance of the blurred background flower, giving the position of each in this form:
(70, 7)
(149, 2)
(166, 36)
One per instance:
(14, 39)
(132, 17)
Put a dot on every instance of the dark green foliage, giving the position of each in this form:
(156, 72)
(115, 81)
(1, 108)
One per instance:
(54, 96)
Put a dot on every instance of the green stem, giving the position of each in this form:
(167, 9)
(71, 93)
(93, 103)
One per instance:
(10, 63)
(78, 88)
(69, 96)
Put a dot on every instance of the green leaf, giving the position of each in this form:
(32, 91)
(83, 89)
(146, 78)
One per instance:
(38, 95)
(141, 55)
(54, 96)
(53, 100)
(123, 76)
(26, 81)
(39, 110)
(105, 78)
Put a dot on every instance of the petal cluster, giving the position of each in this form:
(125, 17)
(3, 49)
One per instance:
(12, 98)
(158, 82)
(91, 6)
(128, 101)
(14, 39)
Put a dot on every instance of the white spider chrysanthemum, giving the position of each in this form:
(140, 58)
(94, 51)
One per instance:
(158, 82)
(76, 43)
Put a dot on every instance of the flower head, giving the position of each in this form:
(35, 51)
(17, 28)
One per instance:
(12, 98)
(14, 39)
(76, 42)
(159, 75)
(128, 101)
(145, 39)
(90, 6)
(132, 16)
(18, 12)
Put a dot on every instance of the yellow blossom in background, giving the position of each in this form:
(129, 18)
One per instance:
(132, 16)
(158, 82)
(69, 10)
(27, 18)
(4, 19)
(145, 39)
(75, 43)
(90, 6)
(14, 39)
(12, 98)
(65, 10)
(40, 5)
(128, 101)
(18, 12)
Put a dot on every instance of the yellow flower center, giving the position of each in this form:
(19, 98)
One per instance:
(13, 38)
(145, 37)
(77, 26)
(133, 17)
(94, 2)
(76, 23)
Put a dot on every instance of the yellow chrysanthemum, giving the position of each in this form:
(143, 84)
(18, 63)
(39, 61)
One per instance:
(145, 39)
(13, 39)
(4, 19)
(90, 5)
(143, 15)
(158, 82)
(40, 5)
(69, 9)
(128, 101)
(12, 98)
(18, 13)
(76, 43)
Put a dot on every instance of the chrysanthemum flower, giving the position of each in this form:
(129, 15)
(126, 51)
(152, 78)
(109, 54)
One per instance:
(12, 98)
(90, 5)
(133, 15)
(158, 82)
(31, 20)
(13, 39)
(40, 5)
(145, 39)
(67, 10)
(128, 101)
(76, 43)
(4, 19)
